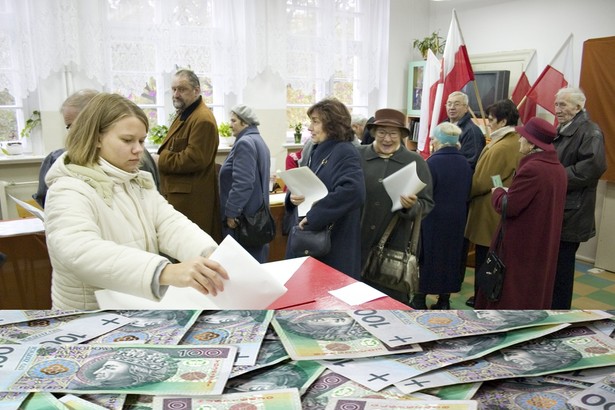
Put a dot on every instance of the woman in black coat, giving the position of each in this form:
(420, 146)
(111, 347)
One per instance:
(442, 230)
(334, 159)
(383, 157)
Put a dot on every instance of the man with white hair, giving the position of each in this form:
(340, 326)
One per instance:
(580, 149)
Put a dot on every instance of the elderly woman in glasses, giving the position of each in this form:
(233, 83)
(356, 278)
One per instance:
(385, 156)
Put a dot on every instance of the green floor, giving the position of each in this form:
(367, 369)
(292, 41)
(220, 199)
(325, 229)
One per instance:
(591, 291)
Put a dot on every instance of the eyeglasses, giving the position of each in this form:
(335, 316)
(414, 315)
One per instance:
(383, 133)
(68, 126)
(455, 104)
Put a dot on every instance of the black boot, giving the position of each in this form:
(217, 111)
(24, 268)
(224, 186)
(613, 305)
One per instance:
(418, 301)
(443, 303)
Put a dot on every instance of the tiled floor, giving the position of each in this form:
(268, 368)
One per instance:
(591, 290)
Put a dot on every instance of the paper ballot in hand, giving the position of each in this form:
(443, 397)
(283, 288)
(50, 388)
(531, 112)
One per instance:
(403, 182)
(30, 208)
(303, 181)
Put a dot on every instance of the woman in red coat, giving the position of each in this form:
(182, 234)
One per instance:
(533, 225)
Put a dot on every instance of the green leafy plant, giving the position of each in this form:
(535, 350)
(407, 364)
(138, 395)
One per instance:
(224, 129)
(157, 133)
(298, 129)
(432, 42)
(31, 123)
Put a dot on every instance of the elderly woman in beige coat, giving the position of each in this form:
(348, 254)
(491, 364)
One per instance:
(106, 224)
(500, 157)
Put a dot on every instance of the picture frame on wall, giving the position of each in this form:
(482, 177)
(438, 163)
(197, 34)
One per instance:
(415, 87)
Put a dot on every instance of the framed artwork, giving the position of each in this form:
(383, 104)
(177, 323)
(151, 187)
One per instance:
(415, 87)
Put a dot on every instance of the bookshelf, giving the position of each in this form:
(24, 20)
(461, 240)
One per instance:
(415, 91)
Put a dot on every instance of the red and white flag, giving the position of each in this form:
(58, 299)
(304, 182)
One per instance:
(526, 107)
(431, 76)
(558, 74)
(456, 69)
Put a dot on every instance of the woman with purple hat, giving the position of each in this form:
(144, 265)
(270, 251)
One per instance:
(534, 214)
(383, 157)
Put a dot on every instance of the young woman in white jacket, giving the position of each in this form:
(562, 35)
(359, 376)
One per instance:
(107, 225)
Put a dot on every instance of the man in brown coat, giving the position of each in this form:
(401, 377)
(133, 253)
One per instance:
(187, 157)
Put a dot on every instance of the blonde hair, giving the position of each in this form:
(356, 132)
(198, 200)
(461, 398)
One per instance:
(101, 113)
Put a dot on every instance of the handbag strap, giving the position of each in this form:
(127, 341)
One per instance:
(387, 232)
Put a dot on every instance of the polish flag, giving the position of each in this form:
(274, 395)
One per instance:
(456, 68)
(556, 75)
(431, 76)
(527, 108)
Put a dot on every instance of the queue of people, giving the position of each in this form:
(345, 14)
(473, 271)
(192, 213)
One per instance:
(108, 227)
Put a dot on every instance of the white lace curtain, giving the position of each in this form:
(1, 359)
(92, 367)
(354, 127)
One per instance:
(235, 39)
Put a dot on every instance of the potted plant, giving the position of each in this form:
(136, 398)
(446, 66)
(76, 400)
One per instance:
(298, 132)
(432, 42)
(157, 134)
(226, 133)
(31, 123)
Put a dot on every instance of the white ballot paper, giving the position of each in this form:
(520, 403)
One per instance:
(250, 287)
(357, 293)
(403, 182)
(303, 181)
(32, 209)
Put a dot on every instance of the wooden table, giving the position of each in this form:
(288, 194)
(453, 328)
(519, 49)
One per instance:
(25, 276)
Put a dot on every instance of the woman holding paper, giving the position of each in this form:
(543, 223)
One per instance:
(385, 156)
(442, 230)
(105, 221)
(335, 162)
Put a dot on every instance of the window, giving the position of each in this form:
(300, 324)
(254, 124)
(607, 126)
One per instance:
(324, 50)
(11, 110)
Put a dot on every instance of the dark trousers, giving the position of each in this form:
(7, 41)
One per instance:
(564, 276)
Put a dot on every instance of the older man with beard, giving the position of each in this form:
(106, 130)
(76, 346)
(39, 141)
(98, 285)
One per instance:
(187, 157)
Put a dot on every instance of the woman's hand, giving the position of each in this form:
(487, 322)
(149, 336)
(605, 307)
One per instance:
(408, 201)
(296, 199)
(199, 273)
(232, 223)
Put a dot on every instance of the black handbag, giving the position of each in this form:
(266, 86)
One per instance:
(490, 275)
(256, 230)
(392, 268)
(310, 243)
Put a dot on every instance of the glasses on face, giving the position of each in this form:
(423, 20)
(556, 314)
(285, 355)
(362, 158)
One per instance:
(383, 133)
(68, 126)
(455, 104)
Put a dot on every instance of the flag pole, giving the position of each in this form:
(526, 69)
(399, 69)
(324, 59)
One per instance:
(480, 108)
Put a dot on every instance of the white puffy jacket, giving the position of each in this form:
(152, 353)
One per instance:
(105, 229)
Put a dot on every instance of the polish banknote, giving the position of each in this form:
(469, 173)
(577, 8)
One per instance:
(573, 348)
(600, 396)
(16, 316)
(380, 372)
(332, 385)
(465, 391)
(315, 334)
(242, 328)
(64, 329)
(287, 399)
(116, 369)
(271, 352)
(401, 327)
(156, 327)
(288, 375)
(382, 404)
(42, 401)
(524, 394)
(108, 401)
(11, 401)
(74, 402)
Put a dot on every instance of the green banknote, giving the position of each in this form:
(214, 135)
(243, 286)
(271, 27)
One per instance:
(314, 334)
(271, 352)
(524, 394)
(156, 327)
(11, 401)
(245, 329)
(402, 327)
(380, 372)
(288, 375)
(332, 385)
(285, 399)
(116, 369)
(42, 401)
(383, 404)
(108, 401)
(573, 348)
(74, 402)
